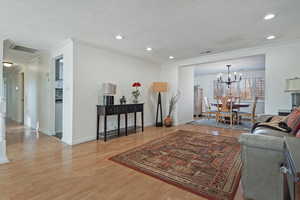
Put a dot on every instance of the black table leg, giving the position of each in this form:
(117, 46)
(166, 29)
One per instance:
(118, 124)
(135, 121)
(97, 134)
(126, 123)
(105, 124)
(142, 115)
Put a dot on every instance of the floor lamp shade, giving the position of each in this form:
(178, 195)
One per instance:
(293, 85)
(159, 87)
(109, 89)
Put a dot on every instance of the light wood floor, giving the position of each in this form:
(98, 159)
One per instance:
(42, 168)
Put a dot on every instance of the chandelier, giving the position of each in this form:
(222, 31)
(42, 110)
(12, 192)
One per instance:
(236, 78)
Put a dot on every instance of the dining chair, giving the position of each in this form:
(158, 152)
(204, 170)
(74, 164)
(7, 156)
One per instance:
(251, 114)
(208, 111)
(225, 110)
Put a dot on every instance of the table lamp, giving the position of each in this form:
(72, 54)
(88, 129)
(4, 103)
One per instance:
(293, 86)
(159, 87)
(109, 90)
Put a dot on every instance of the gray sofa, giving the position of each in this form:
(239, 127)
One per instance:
(262, 155)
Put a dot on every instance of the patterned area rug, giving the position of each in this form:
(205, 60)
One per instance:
(206, 165)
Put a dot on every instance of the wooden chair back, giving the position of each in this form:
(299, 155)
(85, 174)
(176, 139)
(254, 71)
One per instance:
(237, 99)
(226, 102)
(219, 102)
(206, 104)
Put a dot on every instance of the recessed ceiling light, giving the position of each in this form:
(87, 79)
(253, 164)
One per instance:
(119, 37)
(171, 57)
(271, 37)
(7, 64)
(269, 16)
(148, 49)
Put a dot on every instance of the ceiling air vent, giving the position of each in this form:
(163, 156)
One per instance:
(24, 49)
(205, 52)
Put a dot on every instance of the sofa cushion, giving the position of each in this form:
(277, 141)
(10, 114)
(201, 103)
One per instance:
(293, 121)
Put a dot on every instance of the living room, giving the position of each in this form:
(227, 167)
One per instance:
(128, 101)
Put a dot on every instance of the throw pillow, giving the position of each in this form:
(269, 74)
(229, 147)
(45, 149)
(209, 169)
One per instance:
(298, 134)
(293, 121)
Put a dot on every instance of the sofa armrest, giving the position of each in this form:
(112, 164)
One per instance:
(262, 141)
(262, 157)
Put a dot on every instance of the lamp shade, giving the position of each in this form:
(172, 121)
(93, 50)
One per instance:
(160, 86)
(109, 89)
(293, 85)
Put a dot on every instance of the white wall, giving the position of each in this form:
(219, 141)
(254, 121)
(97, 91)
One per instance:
(95, 66)
(44, 92)
(31, 93)
(13, 90)
(170, 74)
(281, 63)
(186, 87)
(37, 92)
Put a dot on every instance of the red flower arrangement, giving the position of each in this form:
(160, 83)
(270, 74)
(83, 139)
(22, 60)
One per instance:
(136, 93)
(136, 84)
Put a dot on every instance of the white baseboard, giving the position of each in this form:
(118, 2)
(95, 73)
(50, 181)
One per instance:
(91, 138)
(47, 132)
(66, 141)
(3, 161)
(83, 140)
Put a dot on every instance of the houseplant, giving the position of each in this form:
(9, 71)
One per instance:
(168, 121)
(136, 93)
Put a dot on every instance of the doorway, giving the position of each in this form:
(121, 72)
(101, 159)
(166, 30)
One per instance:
(14, 94)
(59, 97)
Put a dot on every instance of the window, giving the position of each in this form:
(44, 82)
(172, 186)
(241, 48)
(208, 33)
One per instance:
(247, 89)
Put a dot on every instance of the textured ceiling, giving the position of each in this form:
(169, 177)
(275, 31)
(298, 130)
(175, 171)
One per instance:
(181, 28)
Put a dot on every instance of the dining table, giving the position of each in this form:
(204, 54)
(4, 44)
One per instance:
(235, 106)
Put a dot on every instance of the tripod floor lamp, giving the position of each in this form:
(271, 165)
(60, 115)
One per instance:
(159, 87)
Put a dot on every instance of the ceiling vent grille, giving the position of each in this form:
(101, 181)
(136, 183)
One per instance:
(205, 52)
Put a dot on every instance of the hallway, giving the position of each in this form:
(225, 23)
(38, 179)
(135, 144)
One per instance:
(25, 143)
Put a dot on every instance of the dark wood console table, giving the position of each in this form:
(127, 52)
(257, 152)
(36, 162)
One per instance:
(106, 110)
